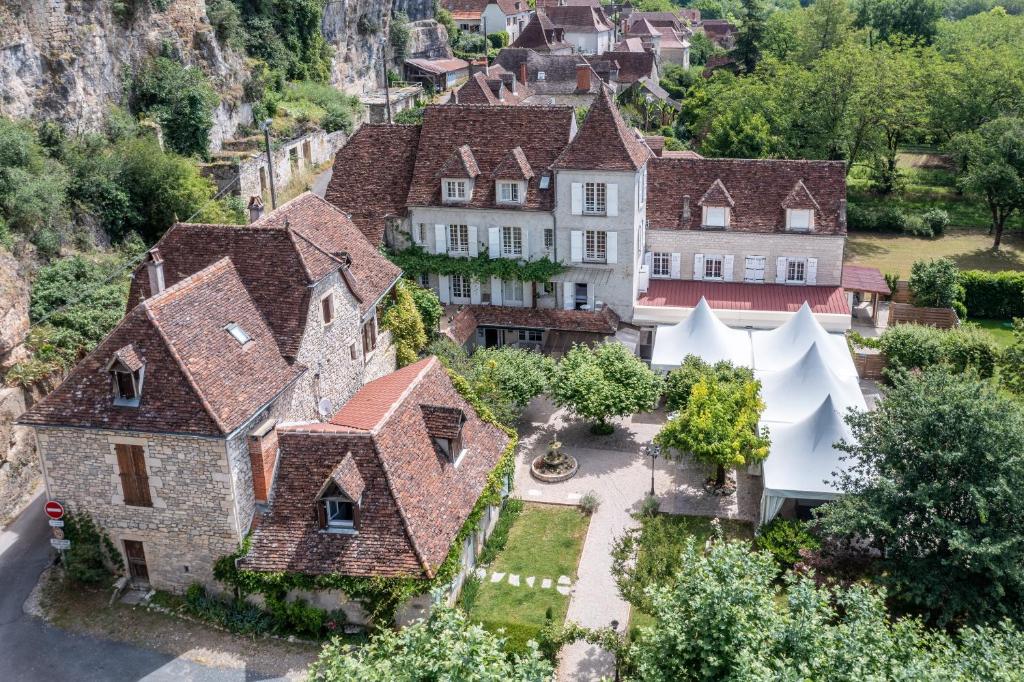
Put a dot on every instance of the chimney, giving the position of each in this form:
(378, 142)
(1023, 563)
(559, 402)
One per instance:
(155, 267)
(686, 208)
(583, 77)
(263, 458)
(613, 72)
(255, 207)
(344, 257)
(522, 73)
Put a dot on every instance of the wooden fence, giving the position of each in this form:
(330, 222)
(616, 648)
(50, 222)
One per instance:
(869, 363)
(904, 313)
(902, 293)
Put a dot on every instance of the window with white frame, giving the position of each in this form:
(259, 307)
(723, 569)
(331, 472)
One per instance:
(800, 219)
(531, 335)
(508, 193)
(458, 239)
(512, 291)
(796, 271)
(549, 239)
(424, 280)
(455, 190)
(341, 513)
(595, 246)
(716, 216)
(595, 198)
(661, 264)
(460, 288)
(512, 242)
(753, 270)
(713, 267)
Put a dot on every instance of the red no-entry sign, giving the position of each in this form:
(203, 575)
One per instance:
(54, 509)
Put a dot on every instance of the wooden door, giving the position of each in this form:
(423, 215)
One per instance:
(136, 560)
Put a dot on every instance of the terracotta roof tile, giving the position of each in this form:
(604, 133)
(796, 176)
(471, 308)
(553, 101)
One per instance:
(737, 296)
(717, 195)
(439, 66)
(460, 164)
(347, 477)
(443, 421)
(129, 357)
(800, 197)
(757, 187)
(859, 278)
(414, 502)
(541, 35)
(579, 18)
(514, 167)
(379, 157)
(197, 379)
(632, 66)
(604, 142)
(365, 410)
(468, 318)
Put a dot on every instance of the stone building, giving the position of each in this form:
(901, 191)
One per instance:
(164, 434)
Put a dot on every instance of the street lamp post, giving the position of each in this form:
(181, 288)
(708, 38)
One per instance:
(653, 451)
(265, 127)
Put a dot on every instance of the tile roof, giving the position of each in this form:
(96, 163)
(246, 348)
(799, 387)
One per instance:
(513, 167)
(496, 89)
(370, 405)
(414, 502)
(859, 278)
(739, 296)
(381, 157)
(439, 66)
(579, 18)
(278, 257)
(559, 70)
(629, 45)
(507, 7)
(604, 142)
(641, 27)
(800, 197)
(443, 421)
(469, 317)
(197, 379)
(491, 133)
(542, 35)
(460, 164)
(632, 66)
(717, 195)
(757, 187)
(347, 477)
(545, 4)
(128, 357)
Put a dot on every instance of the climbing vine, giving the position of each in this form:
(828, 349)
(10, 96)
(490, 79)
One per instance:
(380, 596)
(416, 261)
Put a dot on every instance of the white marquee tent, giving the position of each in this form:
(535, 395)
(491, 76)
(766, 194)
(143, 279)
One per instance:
(803, 459)
(701, 334)
(793, 393)
(778, 348)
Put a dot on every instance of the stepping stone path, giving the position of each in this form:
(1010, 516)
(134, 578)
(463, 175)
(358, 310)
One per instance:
(564, 583)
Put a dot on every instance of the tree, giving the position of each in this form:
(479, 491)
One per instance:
(751, 33)
(723, 617)
(508, 378)
(936, 283)
(181, 99)
(445, 646)
(934, 484)
(429, 307)
(33, 188)
(403, 320)
(1011, 364)
(991, 165)
(718, 426)
(914, 19)
(680, 382)
(608, 381)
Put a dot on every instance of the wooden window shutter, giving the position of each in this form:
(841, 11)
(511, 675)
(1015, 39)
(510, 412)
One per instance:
(126, 470)
(321, 514)
(141, 476)
(131, 464)
(356, 513)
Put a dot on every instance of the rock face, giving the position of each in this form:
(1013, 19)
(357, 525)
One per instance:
(66, 60)
(428, 40)
(19, 465)
(14, 299)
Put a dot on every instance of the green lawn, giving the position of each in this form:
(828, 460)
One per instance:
(661, 539)
(970, 250)
(1001, 330)
(545, 541)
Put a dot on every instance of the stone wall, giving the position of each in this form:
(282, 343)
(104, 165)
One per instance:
(192, 521)
(290, 159)
(828, 249)
(382, 360)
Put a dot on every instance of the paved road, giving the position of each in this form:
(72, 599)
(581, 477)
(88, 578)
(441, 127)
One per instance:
(32, 650)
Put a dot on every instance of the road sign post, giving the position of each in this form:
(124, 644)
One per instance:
(54, 509)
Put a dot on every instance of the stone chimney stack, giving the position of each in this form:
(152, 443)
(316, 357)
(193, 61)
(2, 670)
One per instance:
(255, 208)
(155, 268)
(583, 77)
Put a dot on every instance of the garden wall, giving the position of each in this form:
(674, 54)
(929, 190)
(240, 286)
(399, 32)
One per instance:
(904, 313)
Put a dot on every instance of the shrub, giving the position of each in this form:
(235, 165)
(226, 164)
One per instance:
(995, 295)
(860, 219)
(784, 539)
(180, 98)
(916, 227)
(935, 283)
(429, 307)
(398, 37)
(92, 559)
(589, 503)
(234, 615)
(910, 346)
(650, 506)
(937, 220)
(892, 219)
(498, 39)
(970, 347)
(499, 536)
(403, 320)
(470, 591)
(893, 280)
(1011, 363)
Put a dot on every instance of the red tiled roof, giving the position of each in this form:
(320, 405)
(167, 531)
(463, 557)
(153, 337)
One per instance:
(545, 4)
(507, 7)
(481, 89)
(604, 142)
(347, 477)
(870, 280)
(632, 65)
(757, 188)
(439, 66)
(197, 379)
(514, 167)
(579, 18)
(469, 317)
(414, 501)
(461, 164)
(380, 157)
(365, 410)
(491, 133)
(541, 35)
(678, 293)
(277, 258)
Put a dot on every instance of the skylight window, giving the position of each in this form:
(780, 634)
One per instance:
(238, 334)
(545, 181)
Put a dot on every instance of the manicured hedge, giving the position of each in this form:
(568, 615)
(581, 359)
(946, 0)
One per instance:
(914, 346)
(995, 295)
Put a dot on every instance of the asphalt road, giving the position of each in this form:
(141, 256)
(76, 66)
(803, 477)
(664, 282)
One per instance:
(31, 650)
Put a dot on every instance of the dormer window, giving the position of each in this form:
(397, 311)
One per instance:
(238, 334)
(127, 371)
(339, 502)
(799, 219)
(716, 217)
(455, 190)
(509, 192)
(444, 426)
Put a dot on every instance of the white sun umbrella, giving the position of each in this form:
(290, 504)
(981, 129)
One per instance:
(778, 348)
(803, 459)
(796, 391)
(701, 334)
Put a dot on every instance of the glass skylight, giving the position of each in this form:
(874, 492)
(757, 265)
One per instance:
(238, 333)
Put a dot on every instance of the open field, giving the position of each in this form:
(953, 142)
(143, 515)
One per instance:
(970, 250)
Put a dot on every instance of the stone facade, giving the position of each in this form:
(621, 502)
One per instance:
(193, 520)
(290, 159)
(828, 249)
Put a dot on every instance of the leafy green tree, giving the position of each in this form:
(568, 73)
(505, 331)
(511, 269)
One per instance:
(445, 646)
(934, 485)
(718, 426)
(33, 188)
(680, 382)
(508, 378)
(403, 320)
(741, 135)
(1011, 364)
(701, 47)
(287, 35)
(751, 33)
(604, 382)
(889, 19)
(991, 166)
(935, 283)
(429, 307)
(724, 618)
(180, 98)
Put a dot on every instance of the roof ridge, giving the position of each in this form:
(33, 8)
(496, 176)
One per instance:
(427, 365)
(193, 279)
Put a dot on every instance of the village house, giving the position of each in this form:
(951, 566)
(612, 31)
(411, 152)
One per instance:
(542, 36)
(494, 85)
(586, 28)
(164, 434)
(552, 79)
(665, 33)
(474, 16)
(382, 488)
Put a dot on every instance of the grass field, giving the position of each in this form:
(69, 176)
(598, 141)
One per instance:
(970, 250)
(545, 541)
(1001, 330)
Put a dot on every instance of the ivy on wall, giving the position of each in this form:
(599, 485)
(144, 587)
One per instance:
(381, 597)
(416, 261)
